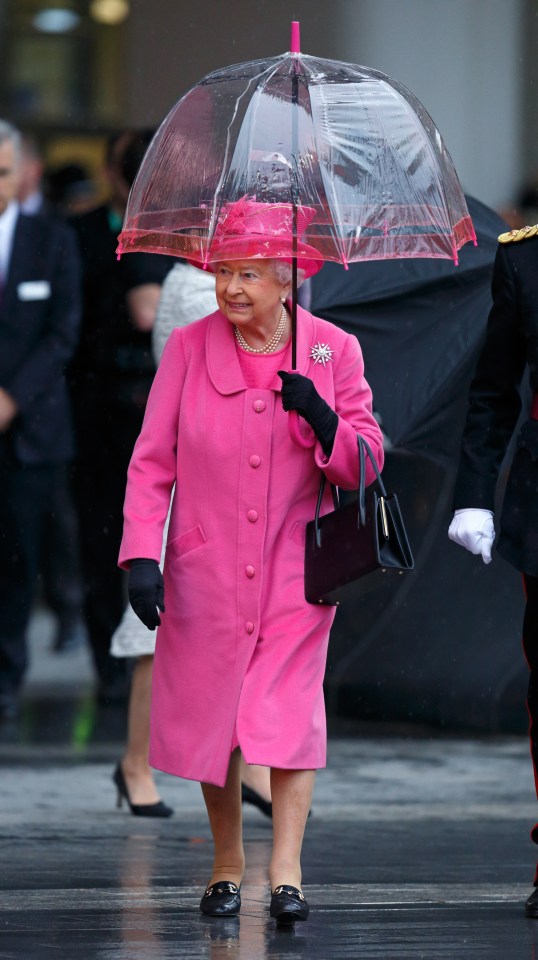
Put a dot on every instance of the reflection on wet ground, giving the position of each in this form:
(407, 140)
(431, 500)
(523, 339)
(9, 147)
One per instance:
(409, 935)
(416, 848)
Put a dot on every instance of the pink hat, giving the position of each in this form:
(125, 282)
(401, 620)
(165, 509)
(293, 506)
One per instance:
(247, 230)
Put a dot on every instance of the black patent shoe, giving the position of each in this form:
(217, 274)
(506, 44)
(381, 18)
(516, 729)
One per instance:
(158, 809)
(288, 904)
(221, 899)
(531, 906)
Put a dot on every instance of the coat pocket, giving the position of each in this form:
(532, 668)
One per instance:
(297, 533)
(188, 541)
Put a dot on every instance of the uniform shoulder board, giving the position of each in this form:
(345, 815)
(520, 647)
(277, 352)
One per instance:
(514, 236)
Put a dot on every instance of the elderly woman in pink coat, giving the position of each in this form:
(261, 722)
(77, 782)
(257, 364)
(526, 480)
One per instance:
(240, 655)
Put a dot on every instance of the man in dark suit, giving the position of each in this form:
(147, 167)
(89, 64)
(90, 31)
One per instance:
(110, 378)
(39, 320)
(511, 345)
(60, 573)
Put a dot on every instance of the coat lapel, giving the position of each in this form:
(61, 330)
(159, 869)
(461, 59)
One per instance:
(222, 361)
(18, 263)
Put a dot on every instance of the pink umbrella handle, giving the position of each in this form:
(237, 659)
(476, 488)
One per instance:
(296, 433)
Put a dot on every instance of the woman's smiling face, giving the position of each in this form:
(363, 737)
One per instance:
(248, 292)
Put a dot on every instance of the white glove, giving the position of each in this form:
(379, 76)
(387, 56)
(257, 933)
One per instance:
(473, 529)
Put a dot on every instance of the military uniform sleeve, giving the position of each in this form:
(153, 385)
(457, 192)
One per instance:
(494, 399)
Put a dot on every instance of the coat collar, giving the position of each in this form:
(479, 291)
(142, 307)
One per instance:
(222, 360)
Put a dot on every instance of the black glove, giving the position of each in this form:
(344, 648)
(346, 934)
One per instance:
(299, 393)
(146, 591)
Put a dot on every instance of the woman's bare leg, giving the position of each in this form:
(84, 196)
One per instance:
(291, 791)
(134, 763)
(257, 778)
(224, 811)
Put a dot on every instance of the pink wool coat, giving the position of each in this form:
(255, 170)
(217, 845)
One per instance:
(240, 655)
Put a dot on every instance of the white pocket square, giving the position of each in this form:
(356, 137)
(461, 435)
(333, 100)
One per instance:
(34, 290)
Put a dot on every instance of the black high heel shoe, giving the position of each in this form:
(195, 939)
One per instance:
(221, 899)
(288, 904)
(248, 795)
(158, 809)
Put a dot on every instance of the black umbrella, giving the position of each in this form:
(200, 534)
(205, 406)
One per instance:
(420, 323)
(443, 646)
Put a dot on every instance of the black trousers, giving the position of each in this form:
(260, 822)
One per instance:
(25, 493)
(530, 647)
(60, 552)
(106, 436)
(99, 493)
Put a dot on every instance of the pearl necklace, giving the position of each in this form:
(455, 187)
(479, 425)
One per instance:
(271, 344)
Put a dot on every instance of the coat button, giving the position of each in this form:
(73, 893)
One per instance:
(249, 626)
(252, 515)
(249, 570)
(259, 406)
(255, 461)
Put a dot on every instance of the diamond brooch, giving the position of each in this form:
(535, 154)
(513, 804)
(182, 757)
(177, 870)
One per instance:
(321, 353)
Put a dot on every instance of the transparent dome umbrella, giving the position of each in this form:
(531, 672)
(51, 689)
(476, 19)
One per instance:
(345, 141)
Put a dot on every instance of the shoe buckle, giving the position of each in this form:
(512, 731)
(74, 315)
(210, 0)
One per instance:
(225, 886)
(291, 892)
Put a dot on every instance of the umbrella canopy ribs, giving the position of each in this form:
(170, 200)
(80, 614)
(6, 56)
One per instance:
(343, 140)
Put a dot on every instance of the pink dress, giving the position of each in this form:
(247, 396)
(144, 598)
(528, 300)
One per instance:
(240, 656)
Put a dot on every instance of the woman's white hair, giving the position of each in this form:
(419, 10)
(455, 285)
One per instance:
(283, 272)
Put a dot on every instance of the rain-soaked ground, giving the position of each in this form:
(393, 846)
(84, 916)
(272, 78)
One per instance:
(418, 847)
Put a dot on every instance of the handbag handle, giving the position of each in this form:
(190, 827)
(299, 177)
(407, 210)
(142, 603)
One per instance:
(364, 446)
(364, 451)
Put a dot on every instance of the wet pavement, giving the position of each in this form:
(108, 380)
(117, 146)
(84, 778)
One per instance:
(418, 847)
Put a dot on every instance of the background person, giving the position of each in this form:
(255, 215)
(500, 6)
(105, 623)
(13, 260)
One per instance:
(187, 294)
(39, 322)
(32, 169)
(70, 190)
(110, 378)
(60, 554)
(240, 655)
(511, 346)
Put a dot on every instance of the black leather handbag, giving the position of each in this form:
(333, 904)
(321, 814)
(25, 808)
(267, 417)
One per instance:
(350, 549)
